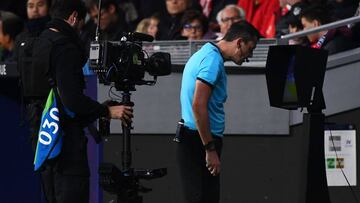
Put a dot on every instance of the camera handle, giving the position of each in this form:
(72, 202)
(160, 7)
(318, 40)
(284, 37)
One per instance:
(126, 152)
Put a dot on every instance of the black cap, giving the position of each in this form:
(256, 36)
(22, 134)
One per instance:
(294, 14)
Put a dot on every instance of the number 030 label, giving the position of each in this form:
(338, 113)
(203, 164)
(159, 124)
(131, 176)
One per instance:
(49, 127)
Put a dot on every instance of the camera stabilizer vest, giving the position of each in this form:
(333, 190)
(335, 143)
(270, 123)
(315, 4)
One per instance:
(34, 57)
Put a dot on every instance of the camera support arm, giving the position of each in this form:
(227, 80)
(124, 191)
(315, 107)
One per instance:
(126, 152)
(125, 183)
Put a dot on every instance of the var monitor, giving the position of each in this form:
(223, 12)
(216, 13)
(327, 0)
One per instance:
(295, 76)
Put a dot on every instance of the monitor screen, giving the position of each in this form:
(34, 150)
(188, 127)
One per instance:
(290, 92)
(295, 76)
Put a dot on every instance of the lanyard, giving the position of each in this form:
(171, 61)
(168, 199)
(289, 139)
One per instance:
(320, 42)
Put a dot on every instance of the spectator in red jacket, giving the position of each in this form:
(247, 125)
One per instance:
(261, 14)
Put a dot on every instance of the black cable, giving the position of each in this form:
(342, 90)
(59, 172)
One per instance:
(112, 95)
(342, 171)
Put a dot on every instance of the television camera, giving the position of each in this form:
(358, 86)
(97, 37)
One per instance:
(123, 64)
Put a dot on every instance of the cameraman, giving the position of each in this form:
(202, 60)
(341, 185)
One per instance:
(66, 177)
(203, 94)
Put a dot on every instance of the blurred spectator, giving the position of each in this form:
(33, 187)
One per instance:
(18, 7)
(344, 8)
(87, 33)
(92, 10)
(295, 25)
(37, 8)
(194, 25)
(153, 26)
(131, 16)
(112, 22)
(38, 16)
(10, 26)
(149, 26)
(146, 8)
(227, 16)
(170, 26)
(334, 40)
(290, 17)
(143, 25)
(210, 8)
(283, 10)
(261, 14)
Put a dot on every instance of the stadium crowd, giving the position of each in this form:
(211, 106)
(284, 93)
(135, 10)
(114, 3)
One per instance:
(187, 20)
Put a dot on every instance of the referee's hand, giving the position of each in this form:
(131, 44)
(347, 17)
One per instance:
(213, 162)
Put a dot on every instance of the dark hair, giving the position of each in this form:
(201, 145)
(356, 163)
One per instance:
(48, 3)
(64, 8)
(191, 15)
(242, 29)
(105, 4)
(12, 24)
(155, 15)
(294, 15)
(317, 12)
(294, 21)
(89, 4)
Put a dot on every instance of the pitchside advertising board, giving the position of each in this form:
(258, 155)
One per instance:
(340, 155)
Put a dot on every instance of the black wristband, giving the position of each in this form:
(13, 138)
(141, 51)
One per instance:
(210, 146)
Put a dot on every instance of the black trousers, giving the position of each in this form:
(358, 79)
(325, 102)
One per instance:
(65, 179)
(64, 188)
(197, 182)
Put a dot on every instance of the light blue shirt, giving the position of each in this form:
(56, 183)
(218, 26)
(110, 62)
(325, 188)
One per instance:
(206, 65)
